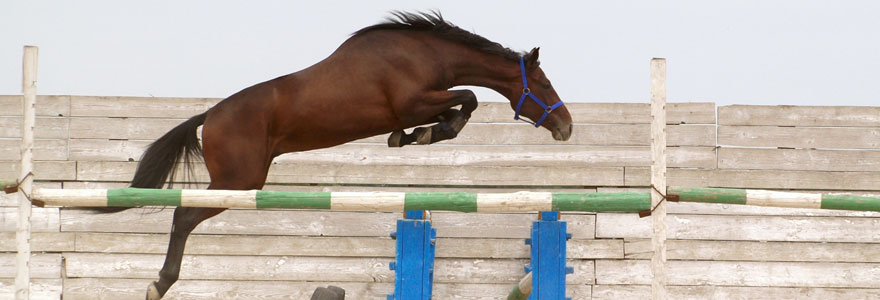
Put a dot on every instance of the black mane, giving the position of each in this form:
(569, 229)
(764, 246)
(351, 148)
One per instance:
(433, 22)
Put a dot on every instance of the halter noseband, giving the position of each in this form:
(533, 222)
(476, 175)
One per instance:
(527, 92)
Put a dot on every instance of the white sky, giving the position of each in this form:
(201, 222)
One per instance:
(736, 52)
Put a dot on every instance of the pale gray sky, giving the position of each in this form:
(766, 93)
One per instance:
(735, 52)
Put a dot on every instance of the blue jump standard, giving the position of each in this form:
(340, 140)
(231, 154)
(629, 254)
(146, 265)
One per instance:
(416, 243)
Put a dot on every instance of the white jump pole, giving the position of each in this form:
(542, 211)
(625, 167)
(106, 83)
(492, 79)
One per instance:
(658, 177)
(23, 232)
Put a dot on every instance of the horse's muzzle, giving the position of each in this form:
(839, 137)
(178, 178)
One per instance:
(562, 133)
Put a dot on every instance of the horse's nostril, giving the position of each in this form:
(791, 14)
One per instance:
(570, 127)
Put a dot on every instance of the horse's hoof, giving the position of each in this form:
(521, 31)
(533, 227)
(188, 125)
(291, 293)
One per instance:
(457, 123)
(423, 135)
(394, 139)
(153, 292)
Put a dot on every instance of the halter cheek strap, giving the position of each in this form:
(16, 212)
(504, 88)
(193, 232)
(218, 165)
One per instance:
(528, 93)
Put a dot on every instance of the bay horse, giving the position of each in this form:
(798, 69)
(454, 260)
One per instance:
(384, 78)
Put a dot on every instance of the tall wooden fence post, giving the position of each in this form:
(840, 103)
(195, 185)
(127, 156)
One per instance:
(23, 232)
(658, 177)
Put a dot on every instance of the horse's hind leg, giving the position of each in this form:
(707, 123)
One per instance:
(185, 220)
(234, 163)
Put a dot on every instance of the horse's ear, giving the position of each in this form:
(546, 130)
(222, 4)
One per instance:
(532, 62)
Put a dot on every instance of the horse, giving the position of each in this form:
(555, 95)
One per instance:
(383, 79)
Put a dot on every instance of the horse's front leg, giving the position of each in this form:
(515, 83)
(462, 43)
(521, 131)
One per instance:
(449, 122)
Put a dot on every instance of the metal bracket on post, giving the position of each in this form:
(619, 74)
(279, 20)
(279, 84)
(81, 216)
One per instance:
(547, 246)
(414, 263)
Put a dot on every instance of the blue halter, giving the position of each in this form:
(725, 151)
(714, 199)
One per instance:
(527, 92)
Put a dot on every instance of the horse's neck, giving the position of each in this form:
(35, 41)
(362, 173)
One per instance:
(486, 70)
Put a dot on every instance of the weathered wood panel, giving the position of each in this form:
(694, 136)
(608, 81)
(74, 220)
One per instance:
(758, 274)
(326, 246)
(354, 188)
(461, 155)
(40, 289)
(787, 115)
(43, 170)
(291, 268)
(43, 219)
(47, 241)
(139, 107)
(43, 266)
(489, 112)
(761, 179)
(800, 137)
(367, 154)
(758, 251)
(120, 128)
(44, 127)
(319, 223)
(51, 106)
(472, 134)
(391, 174)
(107, 150)
(43, 150)
(744, 228)
(626, 292)
(798, 159)
(111, 289)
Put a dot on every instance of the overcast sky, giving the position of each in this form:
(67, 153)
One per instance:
(737, 52)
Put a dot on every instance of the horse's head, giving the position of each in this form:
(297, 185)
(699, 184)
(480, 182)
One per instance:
(539, 101)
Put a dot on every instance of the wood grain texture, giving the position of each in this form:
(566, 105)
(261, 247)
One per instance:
(139, 107)
(46, 105)
(40, 289)
(627, 292)
(109, 289)
(43, 150)
(43, 219)
(44, 128)
(290, 268)
(798, 159)
(391, 174)
(318, 223)
(43, 266)
(43, 170)
(800, 137)
(787, 115)
(47, 241)
(757, 274)
(447, 247)
(762, 179)
(487, 112)
(759, 251)
(744, 228)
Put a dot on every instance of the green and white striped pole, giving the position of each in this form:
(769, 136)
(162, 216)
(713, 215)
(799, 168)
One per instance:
(447, 201)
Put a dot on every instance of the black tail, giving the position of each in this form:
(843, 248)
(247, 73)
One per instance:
(159, 163)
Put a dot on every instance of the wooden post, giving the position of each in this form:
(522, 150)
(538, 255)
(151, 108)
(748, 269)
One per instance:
(658, 177)
(23, 232)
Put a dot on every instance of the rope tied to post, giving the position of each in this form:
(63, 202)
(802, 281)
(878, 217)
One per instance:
(663, 196)
(13, 187)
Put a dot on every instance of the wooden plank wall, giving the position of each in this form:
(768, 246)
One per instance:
(715, 251)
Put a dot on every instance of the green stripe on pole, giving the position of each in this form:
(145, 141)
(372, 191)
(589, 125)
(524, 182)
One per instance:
(275, 199)
(601, 202)
(456, 201)
(709, 195)
(133, 197)
(846, 202)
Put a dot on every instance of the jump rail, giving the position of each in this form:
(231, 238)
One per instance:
(447, 201)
